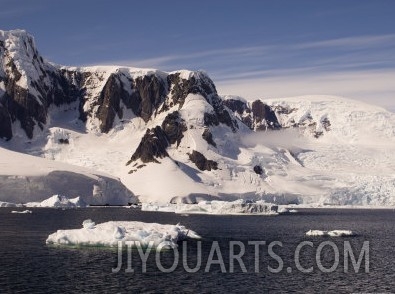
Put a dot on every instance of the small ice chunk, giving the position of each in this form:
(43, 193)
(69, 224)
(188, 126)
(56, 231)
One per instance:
(119, 233)
(334, 233)
(9, 204)
(88, 224)
(341, 233)
(282, 210)
(24, 211)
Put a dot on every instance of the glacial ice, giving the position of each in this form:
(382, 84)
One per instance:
(58, 201)
(240, 206)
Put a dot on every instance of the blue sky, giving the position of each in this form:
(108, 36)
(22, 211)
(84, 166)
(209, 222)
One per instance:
(255, 49)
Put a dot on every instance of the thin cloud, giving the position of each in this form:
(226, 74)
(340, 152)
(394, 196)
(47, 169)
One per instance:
(360, 41)
(372, 86)
(359, 67)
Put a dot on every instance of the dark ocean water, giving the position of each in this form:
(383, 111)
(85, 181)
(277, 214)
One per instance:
(27, 265)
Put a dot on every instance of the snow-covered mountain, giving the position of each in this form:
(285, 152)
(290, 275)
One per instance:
(171, 137)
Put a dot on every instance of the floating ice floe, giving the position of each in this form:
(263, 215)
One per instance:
(9, 204)
(24, 211)
(334, 233)
(217, 207)
(58, 201)
(109, 233)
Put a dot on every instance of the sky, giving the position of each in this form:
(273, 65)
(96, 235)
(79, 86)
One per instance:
(254, 49)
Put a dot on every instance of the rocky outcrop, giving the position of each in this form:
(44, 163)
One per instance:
(148, 93)
(5, 124)
(208, 136)
(202, 162)
(258, 169)
(196, 83)
(263, 116)
(155, 141)
(174, 127)
(236, 105)
(257, 116)
(109, 103)
(199, 83)
(152, 146)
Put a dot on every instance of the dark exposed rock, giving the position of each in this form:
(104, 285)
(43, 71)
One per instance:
(173, 127)
(259, 117)
(263, 116)
(208, 136)
(202, 162)
(199, 83)
(317, 134)
(108, 101)
(283, 110)
(258, 169)
(180, 88)
(221, 115)
(210, 119)
(24, 107)
(155, 141)
(236, 105)
(5, 124)
(149, 93)
(225, 118)
(326, 124)
(153, 145)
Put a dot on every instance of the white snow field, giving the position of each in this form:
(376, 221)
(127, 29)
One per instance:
(334, 233)
(109, 233)
(216, 207)
(352, 163)
(58, 201)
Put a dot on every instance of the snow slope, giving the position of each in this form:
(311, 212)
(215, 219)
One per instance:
(25, 178)
(350, 164)
(357, 152)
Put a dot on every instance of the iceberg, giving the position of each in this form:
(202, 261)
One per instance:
(58, 201)
(9, 204)
(334, 233)
(217, 207)
(24, 211)
(110, 233)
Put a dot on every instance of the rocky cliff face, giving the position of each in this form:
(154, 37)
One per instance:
(256, 115)
(28, 84)
(154, 143)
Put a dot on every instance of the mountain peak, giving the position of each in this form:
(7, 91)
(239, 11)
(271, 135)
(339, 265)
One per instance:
(17, 33)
